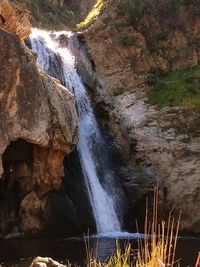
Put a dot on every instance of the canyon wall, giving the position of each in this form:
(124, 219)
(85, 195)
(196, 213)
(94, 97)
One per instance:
(149, 143)
(38, 129)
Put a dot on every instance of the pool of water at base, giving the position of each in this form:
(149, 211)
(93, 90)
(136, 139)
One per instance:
(19, 253)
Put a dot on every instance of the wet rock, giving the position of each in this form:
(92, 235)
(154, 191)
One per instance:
(45, 262)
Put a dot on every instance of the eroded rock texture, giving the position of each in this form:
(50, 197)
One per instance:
(38, 127)
(15, 19)
(149, 144)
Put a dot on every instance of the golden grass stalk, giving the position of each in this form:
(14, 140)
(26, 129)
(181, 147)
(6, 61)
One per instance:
(157, 249)
(198, 261)
(92, 14)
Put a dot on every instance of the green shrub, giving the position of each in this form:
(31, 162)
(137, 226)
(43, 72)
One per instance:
(161, 36)
(172, 6)
(49, 16)
(126, 40)
(154, 76)
(137, 10)
(178, 87)
(123, 7)
(121, 24)
(133, 61)
(152, 44)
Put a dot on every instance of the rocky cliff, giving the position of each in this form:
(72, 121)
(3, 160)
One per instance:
(53, 14)
(128, 42)
(38, 128)
(15, 19)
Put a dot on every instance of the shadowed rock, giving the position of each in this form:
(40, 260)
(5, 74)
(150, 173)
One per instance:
(38, 127)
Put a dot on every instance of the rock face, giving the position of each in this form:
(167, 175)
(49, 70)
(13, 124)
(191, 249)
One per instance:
(149, 144)
(15, 19)
(45, 262)
(38, 128)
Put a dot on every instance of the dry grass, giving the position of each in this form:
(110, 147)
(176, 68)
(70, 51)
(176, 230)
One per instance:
(156, 249)
(198, 261)
(92, 14)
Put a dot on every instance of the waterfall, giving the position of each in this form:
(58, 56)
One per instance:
(102, 202)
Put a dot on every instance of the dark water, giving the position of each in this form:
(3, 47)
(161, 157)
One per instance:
(20, 253)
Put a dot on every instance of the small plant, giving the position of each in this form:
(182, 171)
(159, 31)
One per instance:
(161, 36)
(126, 40)
(49, 16)
(157, 249)
(133, 61)
(152, 45)
(121, 24)
(154, 76)
(172, 6)
(123, 7)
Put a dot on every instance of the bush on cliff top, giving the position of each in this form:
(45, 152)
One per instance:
(47, 15)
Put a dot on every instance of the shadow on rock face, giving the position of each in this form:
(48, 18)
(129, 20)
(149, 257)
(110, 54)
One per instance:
(71, 209)
(16, 182)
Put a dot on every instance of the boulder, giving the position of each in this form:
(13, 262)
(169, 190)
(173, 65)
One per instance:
(38, 127)
(45, 262)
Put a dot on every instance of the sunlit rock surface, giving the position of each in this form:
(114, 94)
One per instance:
(45, 262)
(38, 127)
(149, 144)
(15, 19)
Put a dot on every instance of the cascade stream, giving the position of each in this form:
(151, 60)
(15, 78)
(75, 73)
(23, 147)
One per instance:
(102, 202)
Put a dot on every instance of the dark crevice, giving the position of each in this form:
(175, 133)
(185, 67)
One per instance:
(15, 183)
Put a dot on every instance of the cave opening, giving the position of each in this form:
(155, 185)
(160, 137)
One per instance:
(15, 183)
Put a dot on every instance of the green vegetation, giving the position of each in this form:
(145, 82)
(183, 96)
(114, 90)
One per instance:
(133, 62)
(178, 87)
(136, 9)
(49, 16)
(126, 40)
(173, 5)
(145, 15)
(92, 14)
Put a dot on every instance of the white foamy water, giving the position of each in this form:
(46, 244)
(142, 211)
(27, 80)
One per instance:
(43, 43)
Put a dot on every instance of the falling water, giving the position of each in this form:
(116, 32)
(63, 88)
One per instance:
(43, 43)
